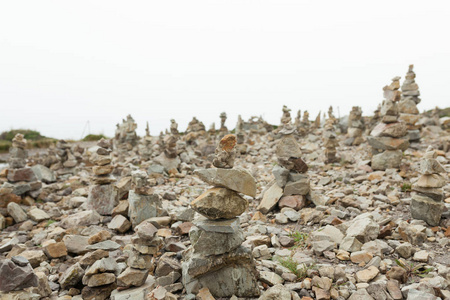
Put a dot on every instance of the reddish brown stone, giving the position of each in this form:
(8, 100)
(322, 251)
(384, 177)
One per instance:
(9, 197)
(23, 174)
(228, 142)
(184, 228)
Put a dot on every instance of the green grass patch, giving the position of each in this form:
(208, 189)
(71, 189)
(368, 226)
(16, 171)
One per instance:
(94, 137)
(300, 239)
(406, 187)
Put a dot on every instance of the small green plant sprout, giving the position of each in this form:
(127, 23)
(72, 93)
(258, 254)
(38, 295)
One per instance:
(301, 271)
(413, 270)
(49, 222)
(300, 239)
(406, 187)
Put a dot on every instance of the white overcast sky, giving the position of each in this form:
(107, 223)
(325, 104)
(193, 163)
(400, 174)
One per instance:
(64, 63)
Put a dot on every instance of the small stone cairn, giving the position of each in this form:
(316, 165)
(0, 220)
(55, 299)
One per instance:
(330, 142)
(427, 198)
(408, 104)
(216, 238)
(126, 137)
(291, 183)
(389, 138)
(18, 171)
(141, 255)
(143, 203)
(355, 127)
(102, 192)
(223, 129)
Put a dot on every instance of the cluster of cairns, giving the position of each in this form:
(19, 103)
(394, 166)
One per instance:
(192, 216)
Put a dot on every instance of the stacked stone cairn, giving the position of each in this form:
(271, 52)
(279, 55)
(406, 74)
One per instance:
(196, 129)
(240, 135)
(216, 259)
(298, 120)
(304, 126)
(355, 127)
(223, 129)
(126, 137)
(18, 171)
(389, 138)
(67, 158)
(427, 198)
(408, 104)
(291, 185)
(102, 192)
(100, 279)
(143, 203)
(285, 118)
(330, 142)
(141, 255)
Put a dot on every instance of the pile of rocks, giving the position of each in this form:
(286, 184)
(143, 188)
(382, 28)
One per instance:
(241, 147)
(216, 238)
(330, 142)
(67, 158)
(426, 203)
(291, 185)
(389, 138)
(100, 279)
(223, 129)
(408, 105)
(102, 192)
(285, 118)
(355, 127)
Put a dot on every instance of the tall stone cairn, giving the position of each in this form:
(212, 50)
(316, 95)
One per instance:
(355, 127)
(18, 171)
(330, 142)
(408, 104)
(102, 193)
(390, 137)
(126, 137)
(427, 198)
(216, 238)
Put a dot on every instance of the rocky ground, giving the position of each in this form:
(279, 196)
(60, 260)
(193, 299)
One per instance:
(352, 237)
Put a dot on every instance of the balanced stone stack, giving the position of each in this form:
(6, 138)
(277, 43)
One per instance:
(102, 193)
(145, 245)
(427, 199)
(126, 137)
(100, 279)
(290, 177)
(143, 203)
(223, 129)
(408, 105)
(68, 160)
(286, 118)
(17, 160)
(240, 135)
(389, 138)
(355, 127)
(330, 142)
(216, 251)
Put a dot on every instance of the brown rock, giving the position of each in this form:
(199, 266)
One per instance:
(56, 250)
(397, 273)
(184, 228)
(296, 202)
(99, 237)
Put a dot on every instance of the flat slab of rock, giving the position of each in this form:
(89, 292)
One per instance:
(270, 198)
(238, 180)
(219, 203)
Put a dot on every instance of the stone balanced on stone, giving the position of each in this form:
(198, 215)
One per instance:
(18, 155)
(290, 177)
(216, 238)
(102, 193)
(408, 104)
(330, 142)
(426, 203)
(389, 138)
(355, 127)
(126, 137)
